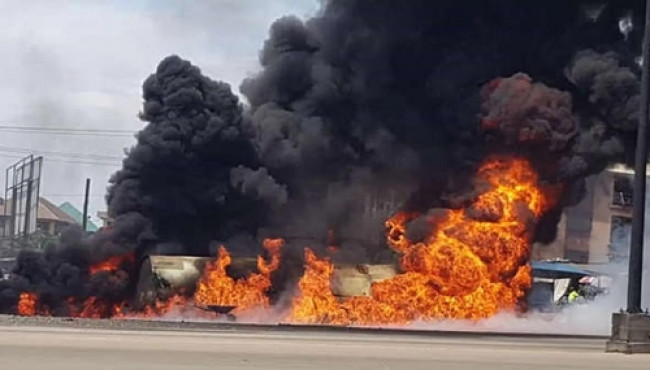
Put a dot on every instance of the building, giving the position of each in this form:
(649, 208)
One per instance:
(50, 219)
(106, 220)
(77, 215)
(597, 230)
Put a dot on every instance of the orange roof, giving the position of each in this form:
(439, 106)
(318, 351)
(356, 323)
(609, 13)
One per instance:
(46, 211)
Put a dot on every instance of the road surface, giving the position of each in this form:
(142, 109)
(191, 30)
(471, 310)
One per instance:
(28, 348)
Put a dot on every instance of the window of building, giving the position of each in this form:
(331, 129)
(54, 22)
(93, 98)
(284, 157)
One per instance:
(619, 239)
(577, 256)
(578, 223)
(622, 195)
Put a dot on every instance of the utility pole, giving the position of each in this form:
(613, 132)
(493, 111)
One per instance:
(631, 329)
(640, 163)
(84, 220)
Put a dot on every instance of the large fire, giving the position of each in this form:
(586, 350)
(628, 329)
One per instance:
(472, 264)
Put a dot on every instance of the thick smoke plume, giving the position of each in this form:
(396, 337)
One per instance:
(191, 180)
(527, 113)
(370, 106)
(416, 94)
(192, 177)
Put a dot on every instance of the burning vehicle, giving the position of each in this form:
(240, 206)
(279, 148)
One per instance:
(477, 122)
(162, 277)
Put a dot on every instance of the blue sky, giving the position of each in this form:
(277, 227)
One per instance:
(80, 64)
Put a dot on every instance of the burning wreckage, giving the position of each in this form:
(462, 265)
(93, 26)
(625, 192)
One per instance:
(393, 165)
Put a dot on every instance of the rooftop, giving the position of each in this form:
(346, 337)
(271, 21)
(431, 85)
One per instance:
(77, 215)
(46, 211)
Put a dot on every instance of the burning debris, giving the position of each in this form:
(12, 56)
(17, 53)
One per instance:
(444, 135)
(27, 304)
(216, 288)
(112, 264)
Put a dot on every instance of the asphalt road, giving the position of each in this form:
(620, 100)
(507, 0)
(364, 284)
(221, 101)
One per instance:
(28, 348)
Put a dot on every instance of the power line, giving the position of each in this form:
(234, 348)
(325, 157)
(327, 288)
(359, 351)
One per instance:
(65, 131)
(66, 157)
(84, 162)
(95, 163)
(72, 129)
(58, 153)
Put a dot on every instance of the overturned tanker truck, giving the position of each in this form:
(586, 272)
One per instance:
(162, 276)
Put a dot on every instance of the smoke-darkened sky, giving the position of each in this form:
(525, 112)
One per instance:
(80, 64)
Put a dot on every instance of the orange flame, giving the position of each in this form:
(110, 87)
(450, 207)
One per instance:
(27, 304)
(160, 308)
(111, 264)
(396, 230)
(94, 308)
(216, 288)
(473, 264)
(315, 303)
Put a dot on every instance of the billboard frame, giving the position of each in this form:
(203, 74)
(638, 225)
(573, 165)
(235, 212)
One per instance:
(22, 192)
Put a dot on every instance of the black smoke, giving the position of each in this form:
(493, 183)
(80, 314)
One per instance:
(193, 176)
(192, 180)
(416, 94)
(369, 106)
(60, 275)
